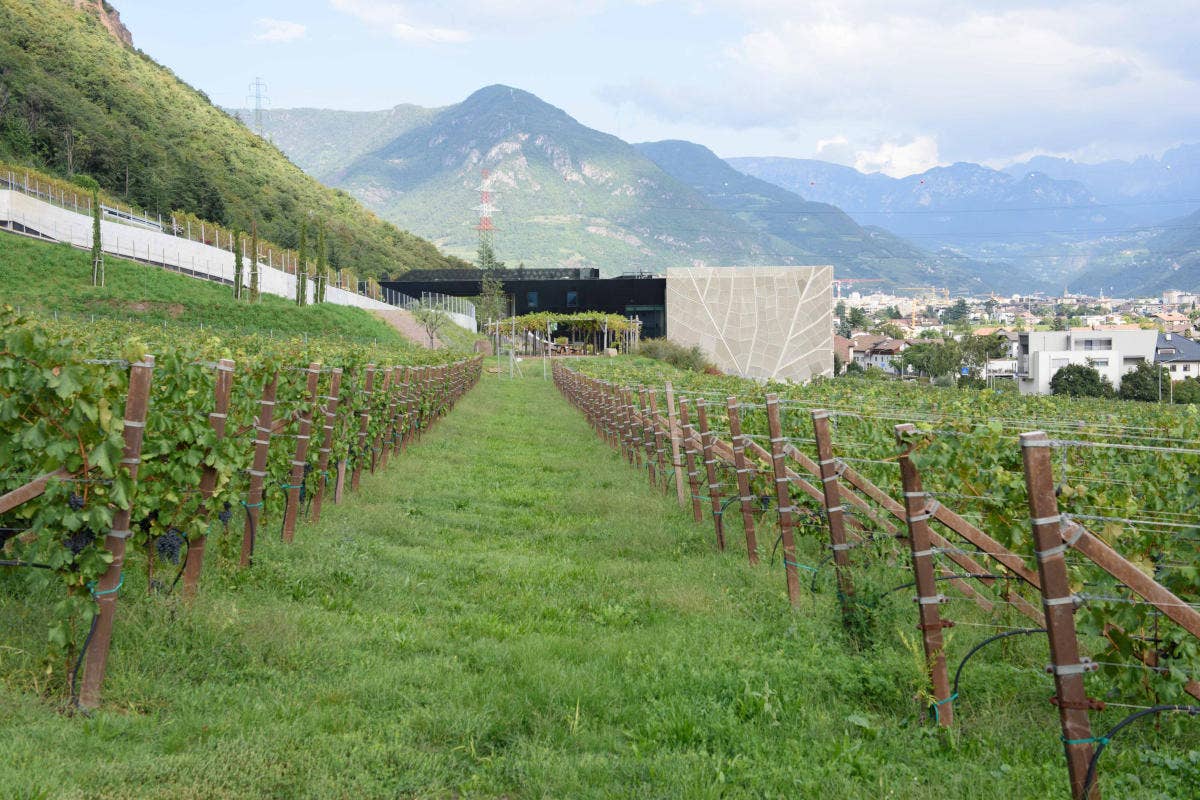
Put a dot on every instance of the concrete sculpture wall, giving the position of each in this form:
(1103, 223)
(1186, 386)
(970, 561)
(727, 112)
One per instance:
(756, 322)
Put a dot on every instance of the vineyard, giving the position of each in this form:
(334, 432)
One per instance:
(129, 447)
(890, 495)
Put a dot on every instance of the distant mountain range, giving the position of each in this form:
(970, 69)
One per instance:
(1123, 226)
(568, 195)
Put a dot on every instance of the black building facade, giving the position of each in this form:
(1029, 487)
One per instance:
(565, 291)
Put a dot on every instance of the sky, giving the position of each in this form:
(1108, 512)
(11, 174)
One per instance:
(893, 86)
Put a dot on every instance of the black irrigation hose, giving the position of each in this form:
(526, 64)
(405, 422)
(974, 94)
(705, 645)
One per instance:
(1102, 741)
(79, 661)
(1018, 632)
(33, 564)
(182, 565)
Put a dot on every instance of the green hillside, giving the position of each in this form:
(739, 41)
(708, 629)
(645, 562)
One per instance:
(60, 283)
(78, 99)
(322, 141)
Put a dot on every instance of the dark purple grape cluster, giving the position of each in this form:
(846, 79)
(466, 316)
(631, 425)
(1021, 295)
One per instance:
(75, 502)
(226, 513)
(146, 522)
(169, 545)
(78, 540)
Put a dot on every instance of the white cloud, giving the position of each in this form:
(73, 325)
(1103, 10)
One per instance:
(434, 22)
(278, 30)
(982, 78)
(899, 160)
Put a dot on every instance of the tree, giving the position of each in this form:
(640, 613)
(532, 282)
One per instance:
(239, 267)
(1080, 380)
(432, 320)
(1187, 391)
(301, 258)
(960, 310)
(858, 319)
(1145, 383)
(322, 269)
(493, 302)
(97, 244)
(935, 359)
(254, 262)
(485, 258)
(977, 350)
(1059, 324)
(837, 365)
(890, 330)
(839, 310)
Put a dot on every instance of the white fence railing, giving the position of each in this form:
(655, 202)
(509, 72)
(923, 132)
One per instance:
(460, 310)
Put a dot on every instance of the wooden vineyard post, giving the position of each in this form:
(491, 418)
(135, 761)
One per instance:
(300, 459)
(647, 436)
(918, 515)
(387, 437)
(401, 430)
(693, 474)
(208, 476)
(660, 451)
(741, 465)
(258, 469)
(323, 456)
(835, 513)
(634, 423)
(1067, 667)
(412, 405)
(106, 588)
(364, 420)
(783, 498)
(673, 426)
(710, 472)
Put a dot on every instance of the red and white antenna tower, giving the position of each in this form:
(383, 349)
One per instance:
(485, 208)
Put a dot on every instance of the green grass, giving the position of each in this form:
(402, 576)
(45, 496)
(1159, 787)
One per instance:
(509, 611)
(42, 277)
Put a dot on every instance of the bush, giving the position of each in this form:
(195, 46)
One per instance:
(1080, 380)
(1187, 391)
(689, 358)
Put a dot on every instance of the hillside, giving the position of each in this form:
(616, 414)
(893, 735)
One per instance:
(322, 141)
(140, 293)
(819, 231)
(77, 98)
(1144, 262)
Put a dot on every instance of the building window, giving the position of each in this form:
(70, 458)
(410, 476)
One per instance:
(1099, 362)
(572, 298)
(1174, 368)
(1096, 344)
(531, 299)
(1187, 367)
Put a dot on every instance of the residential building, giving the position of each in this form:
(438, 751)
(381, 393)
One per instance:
(1179, 355)
(1113, 351)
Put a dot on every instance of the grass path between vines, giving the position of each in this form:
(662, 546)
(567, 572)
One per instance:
(509, 611)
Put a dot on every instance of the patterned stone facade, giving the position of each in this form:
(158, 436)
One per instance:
(756, 322)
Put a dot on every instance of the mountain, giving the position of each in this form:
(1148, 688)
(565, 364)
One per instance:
(565, 195)
(322, 141)
(1148, 190)
(817, 230)
(568, 195)
(960, 205)
(75, 97)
